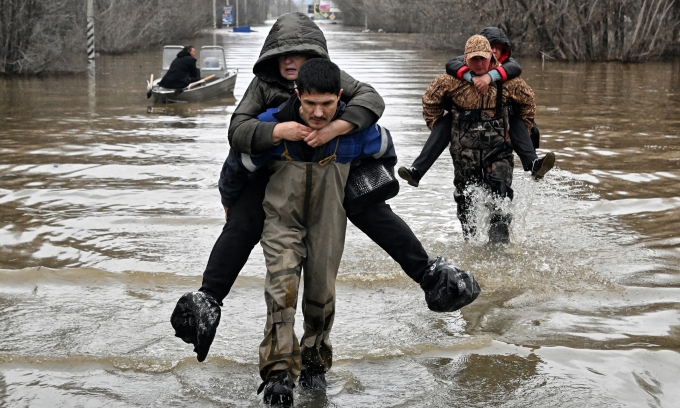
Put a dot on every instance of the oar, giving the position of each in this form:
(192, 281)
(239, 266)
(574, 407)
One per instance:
(149, 87)
(191, 85)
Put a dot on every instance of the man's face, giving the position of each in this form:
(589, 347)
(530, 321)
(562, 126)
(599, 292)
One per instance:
(479, 65)
(289, 65)
(192, 52)
(317, 109)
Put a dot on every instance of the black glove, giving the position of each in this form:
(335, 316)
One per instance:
(448, 288)
(195, 320)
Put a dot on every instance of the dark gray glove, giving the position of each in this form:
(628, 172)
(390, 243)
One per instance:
(448, 288)
(195, 320)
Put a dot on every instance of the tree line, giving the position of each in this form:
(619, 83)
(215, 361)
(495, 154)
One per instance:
(49, 36)
(592, 30)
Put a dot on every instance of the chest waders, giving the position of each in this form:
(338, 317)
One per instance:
(482, 155)
(304, 229)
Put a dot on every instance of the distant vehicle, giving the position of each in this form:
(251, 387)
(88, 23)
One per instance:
(217, 82)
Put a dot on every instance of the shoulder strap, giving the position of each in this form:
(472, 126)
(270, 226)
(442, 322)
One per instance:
(285, 153)
(499, 98)
(332, 156)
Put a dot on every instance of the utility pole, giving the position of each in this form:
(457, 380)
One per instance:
(91, 88)
(90, 29)
(214, 16)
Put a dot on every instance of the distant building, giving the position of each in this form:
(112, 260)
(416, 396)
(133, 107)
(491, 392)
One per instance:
(322, 10)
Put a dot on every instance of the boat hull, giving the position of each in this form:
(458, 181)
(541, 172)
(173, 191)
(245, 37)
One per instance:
(217, 88)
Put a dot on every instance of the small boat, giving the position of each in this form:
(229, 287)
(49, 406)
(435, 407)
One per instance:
(218, 81)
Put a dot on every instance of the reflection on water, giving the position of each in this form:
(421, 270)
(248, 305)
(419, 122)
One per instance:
(109, 208)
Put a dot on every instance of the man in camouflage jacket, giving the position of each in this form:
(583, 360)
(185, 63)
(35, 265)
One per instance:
(481, 156)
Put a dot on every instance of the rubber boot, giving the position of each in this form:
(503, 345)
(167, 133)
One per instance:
(278, 390)
(499, 230)
(195, 320)
(312, 379)
(463, 213)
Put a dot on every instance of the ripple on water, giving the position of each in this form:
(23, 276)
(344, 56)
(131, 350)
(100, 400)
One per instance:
(133, 197)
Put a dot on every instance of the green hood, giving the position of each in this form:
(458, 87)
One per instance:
(292, 32)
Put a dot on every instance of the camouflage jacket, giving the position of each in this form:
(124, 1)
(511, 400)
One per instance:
(446, 90)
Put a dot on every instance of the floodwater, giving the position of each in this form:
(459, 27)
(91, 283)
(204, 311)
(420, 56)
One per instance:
(109, 209)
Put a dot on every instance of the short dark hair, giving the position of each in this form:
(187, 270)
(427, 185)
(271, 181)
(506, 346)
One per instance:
(318, 75)
(187, 48)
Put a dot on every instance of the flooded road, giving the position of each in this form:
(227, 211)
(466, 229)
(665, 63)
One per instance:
(109, 208)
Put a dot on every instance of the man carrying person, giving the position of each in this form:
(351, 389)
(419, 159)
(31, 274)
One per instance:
(293, 39)
(523, 143)
(304, 228)
(480, 141)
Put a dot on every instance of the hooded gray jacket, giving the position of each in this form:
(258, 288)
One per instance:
(292, 33)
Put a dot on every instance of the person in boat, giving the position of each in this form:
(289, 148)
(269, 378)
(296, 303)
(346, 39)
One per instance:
(293, 39)
(182, 71)
(523, 143)
(480, 143)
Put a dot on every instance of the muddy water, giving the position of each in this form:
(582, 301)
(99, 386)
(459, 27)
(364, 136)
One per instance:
(109, 209)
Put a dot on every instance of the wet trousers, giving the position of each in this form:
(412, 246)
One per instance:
(494, 172)
(243, 230)
(304, 233)
(440, 137)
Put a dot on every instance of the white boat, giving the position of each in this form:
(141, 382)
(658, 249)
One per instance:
(218, 81)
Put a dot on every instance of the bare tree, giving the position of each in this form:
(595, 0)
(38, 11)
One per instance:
(45, 36)
(127, 25)
(625, 30)
(48, 36)
(353, 12)
(41, 36)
